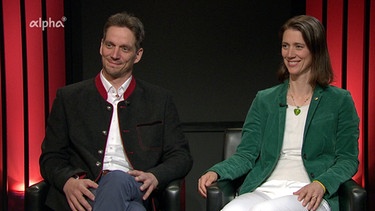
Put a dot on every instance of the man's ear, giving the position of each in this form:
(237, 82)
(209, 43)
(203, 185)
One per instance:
(138, 55)
(101, 46)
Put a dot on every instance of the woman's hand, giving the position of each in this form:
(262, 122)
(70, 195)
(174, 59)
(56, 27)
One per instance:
(311, 195)
(205, 181)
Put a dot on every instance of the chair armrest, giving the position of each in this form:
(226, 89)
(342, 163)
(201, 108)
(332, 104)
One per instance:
(174, 196)
(35, 196)
(352, 196)
(220, 193)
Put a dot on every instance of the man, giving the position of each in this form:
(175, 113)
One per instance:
(112, 140)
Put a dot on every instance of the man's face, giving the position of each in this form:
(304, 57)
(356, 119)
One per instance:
(119, 53)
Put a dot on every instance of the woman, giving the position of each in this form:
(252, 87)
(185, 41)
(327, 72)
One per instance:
(300, 138)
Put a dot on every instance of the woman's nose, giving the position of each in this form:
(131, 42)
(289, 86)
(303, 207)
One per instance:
(290, 53)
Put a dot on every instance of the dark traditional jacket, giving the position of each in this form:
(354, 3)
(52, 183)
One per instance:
(77, 131)
(330, 140)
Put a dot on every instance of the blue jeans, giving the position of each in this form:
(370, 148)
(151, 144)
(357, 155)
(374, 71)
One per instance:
(118, 191)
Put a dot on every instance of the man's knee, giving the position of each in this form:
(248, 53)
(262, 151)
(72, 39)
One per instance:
(121, 182)
(136, 206)
(117, 178)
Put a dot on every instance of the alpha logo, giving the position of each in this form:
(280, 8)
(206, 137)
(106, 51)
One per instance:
(47, 23)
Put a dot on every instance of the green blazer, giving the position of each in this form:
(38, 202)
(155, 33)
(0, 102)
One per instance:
(330, 141)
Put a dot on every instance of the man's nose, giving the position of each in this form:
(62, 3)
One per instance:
(115, 53)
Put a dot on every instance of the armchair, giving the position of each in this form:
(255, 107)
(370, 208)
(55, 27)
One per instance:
(351, 195)
(172, 198)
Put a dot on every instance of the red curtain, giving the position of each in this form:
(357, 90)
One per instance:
(33, 68)
(350, 26)
(370, 108)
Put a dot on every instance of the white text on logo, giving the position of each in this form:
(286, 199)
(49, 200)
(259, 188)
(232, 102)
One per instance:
(47, 23)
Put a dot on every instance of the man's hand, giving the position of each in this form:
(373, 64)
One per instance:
(205, 181)
(311, 195)
(75, 191)
(149, 181)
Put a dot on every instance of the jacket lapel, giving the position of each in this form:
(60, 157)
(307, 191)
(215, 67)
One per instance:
(318, 94)
(282, 112)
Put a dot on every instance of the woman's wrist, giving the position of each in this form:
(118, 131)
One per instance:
(324, 187)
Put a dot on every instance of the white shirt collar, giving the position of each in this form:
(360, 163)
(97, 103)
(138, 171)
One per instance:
(108, 86)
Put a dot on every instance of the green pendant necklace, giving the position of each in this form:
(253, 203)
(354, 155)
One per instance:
(297, 110)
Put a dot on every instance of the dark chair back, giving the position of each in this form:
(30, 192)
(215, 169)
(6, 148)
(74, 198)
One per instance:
(231, 141)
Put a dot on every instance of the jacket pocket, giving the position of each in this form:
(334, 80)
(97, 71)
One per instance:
(150, 135)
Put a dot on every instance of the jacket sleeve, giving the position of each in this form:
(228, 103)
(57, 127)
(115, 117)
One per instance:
(54, 160)
(345, 140)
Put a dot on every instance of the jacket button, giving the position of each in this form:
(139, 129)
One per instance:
(304, 156)
(104, 132)
(109, 108)
(100, 151)
(98, 163)
(312, 175)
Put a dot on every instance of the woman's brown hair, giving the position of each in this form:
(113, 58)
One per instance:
(314, 36)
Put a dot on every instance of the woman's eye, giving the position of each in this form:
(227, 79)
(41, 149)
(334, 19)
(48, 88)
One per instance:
(299, 46)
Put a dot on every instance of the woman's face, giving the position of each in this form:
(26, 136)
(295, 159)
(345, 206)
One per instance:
(297, 56)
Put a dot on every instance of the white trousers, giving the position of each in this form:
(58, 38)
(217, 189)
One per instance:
(258, 201)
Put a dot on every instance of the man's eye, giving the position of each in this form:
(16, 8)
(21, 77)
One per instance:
(125, 49)
(108, 45)
(285, 46)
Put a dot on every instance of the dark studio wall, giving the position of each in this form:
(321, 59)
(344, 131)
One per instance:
(213, 55)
